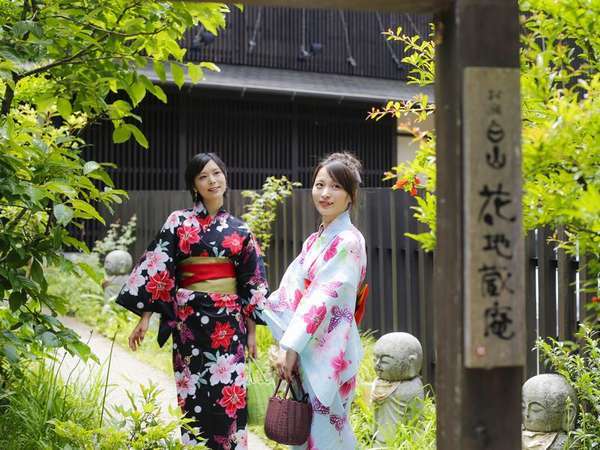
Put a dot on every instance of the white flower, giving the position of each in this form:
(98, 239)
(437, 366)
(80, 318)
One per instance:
(183, 296)
(172, 221)
(222, 225)
(241, 440)
(259, 296)
(191, 221)
(222, 370)
(185, 382)
(241, 379)
(135, 281)
(187, 439)
(154, 261)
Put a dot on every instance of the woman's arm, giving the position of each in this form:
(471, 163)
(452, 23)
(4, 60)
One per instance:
(137, 335)
(252, 349)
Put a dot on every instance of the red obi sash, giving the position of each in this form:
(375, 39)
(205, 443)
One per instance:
(196, 273)
(361, 299)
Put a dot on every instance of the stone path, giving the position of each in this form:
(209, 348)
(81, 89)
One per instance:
(127, 373)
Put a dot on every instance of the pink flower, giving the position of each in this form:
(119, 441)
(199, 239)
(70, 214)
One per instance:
(347, 387)
(154, 261)
(222, 370)
(314, 317)
(297, 297)
(135, 281)
(330, 288)
(172, 221)
(339, 364)
(187, 236)
(183, 296)
(332, 250)
(185, 383)
(241, 440)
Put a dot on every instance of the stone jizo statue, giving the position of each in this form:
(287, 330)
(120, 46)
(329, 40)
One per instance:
(398, 360)
(549, 410)
(117, 266)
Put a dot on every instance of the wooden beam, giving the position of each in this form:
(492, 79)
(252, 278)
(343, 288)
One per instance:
(477, 408)
(421, 6)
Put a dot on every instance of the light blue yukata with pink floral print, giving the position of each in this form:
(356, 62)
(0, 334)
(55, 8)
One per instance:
(312, 313)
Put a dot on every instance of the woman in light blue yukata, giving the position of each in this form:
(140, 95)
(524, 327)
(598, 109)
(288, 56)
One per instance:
(314, 313)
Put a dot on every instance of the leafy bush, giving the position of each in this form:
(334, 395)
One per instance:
(118, 237)
(40, 410)
(579, 363)
(261, 212)
(137, 427)
(85, 301)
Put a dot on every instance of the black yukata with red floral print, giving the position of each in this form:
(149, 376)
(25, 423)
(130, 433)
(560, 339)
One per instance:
(208, 328)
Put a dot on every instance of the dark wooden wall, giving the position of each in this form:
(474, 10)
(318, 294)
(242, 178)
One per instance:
(256, 136)
(281, 32)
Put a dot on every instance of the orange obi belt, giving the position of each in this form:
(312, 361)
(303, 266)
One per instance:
(208, 274)
(361, 299)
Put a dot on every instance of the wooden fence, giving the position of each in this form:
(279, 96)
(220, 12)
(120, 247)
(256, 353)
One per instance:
(399, 273)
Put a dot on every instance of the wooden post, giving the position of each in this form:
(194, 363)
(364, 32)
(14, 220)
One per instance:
(477, 408)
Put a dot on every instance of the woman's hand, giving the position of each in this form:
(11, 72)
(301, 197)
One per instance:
(287, 364)
(251, 344)
(137, 335)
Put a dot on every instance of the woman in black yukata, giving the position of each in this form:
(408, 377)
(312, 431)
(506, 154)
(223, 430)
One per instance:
(205, 277)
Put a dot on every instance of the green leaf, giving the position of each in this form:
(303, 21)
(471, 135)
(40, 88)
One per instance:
(64, 107)
(37, 274)
(159, 69)
(62, 213)
(177, 73)
(137, 92)
(80, 245)
(16, 300)
(89, 270)
(195, 72)
(90, 166)
(138, 135)
(49, 339)
(160, 94)
(11, 353)
(87, 209)
(210, 66)
(121, 134)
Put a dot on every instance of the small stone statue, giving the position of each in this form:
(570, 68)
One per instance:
(117, 266)
(398, 361)
(549, 410)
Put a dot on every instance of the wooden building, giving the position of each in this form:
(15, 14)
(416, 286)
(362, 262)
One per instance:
(295, 84)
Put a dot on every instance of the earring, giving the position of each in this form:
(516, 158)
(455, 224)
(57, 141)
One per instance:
(197, 197)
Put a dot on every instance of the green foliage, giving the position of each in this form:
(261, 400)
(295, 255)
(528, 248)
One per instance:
(64, 65)
(579, 363)
(261, 212)
(137, 427)
(560, 84)
(86, 302)
(118, 237)
(40, 410)
(416, 432)
(36, 395)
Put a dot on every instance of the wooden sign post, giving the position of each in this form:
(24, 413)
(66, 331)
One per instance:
(478, 287)
(478, 290)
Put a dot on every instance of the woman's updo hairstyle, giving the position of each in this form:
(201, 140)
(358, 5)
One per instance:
(345, 169)
(196, 165)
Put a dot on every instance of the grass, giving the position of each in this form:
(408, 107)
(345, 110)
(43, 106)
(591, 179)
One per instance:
(38, 395)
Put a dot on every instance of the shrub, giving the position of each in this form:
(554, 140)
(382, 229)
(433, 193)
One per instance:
(579, 363)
